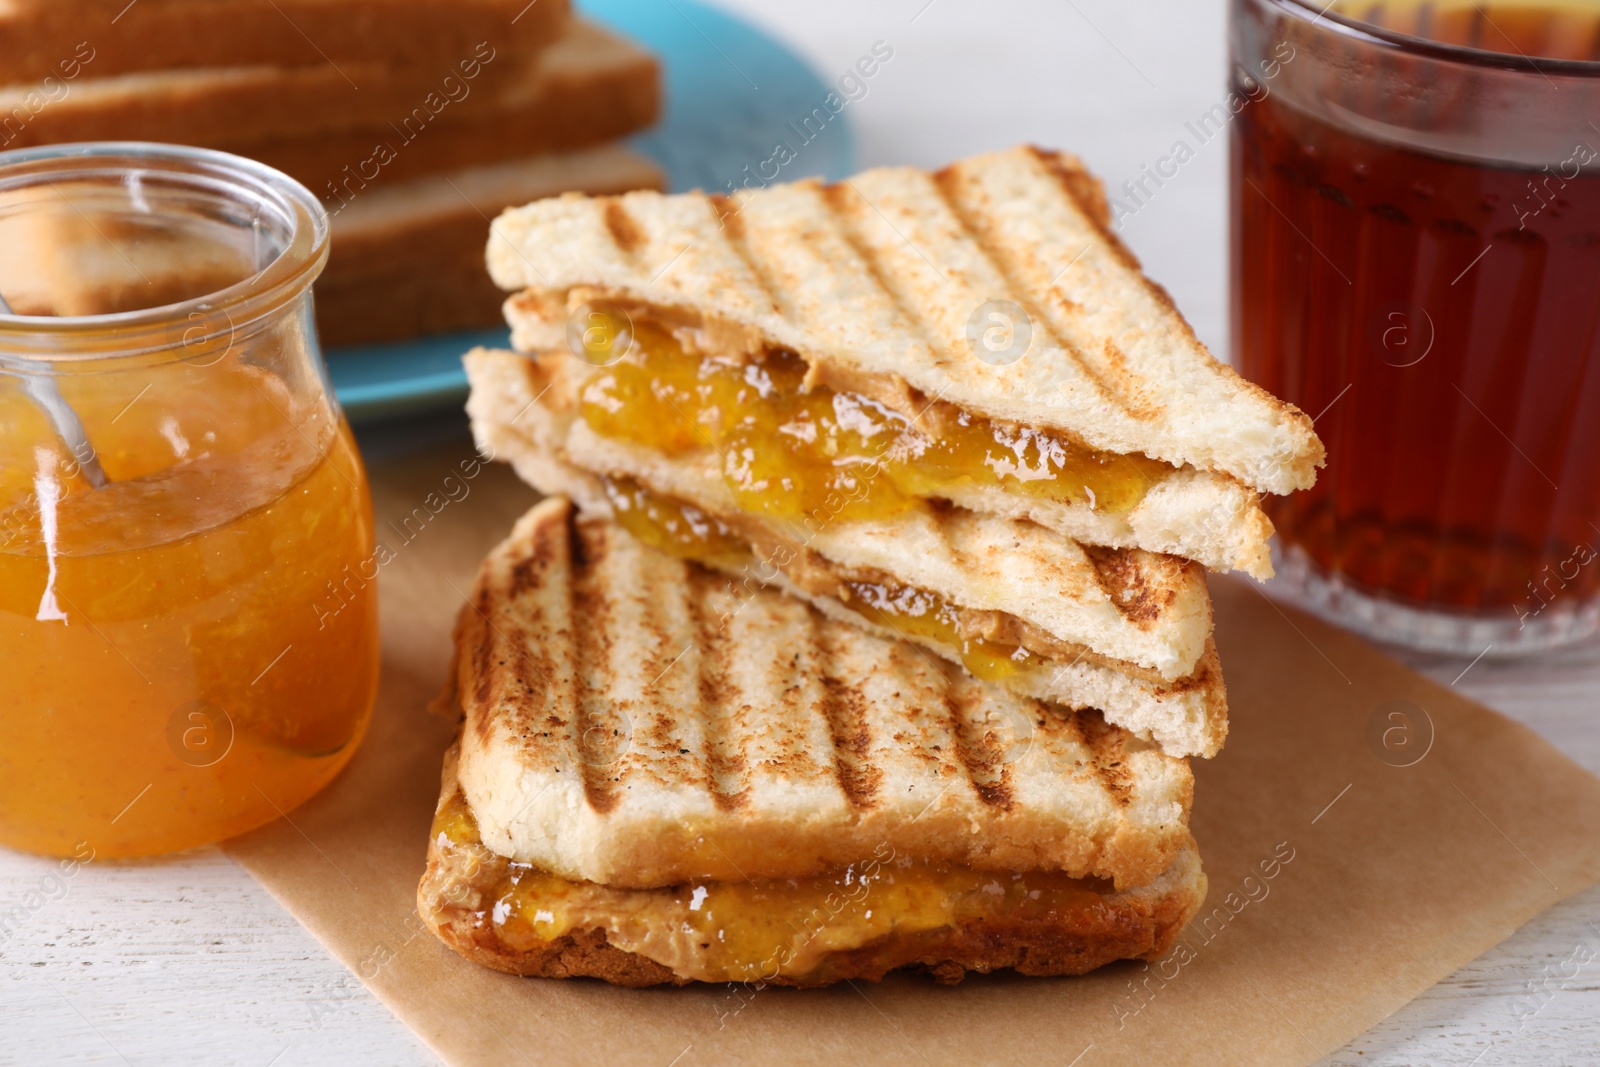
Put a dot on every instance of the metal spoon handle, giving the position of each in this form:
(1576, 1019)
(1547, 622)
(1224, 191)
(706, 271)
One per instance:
(44, 391)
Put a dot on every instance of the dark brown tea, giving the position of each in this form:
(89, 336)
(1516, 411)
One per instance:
(1441, 321)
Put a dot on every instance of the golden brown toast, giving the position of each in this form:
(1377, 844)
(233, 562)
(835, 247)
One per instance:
(636, 721)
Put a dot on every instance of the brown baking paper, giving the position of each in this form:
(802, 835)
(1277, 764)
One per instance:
(1366, 832)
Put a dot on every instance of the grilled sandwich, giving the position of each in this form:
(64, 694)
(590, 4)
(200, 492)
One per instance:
(665, 777)
(1094, 627)
(976, 335)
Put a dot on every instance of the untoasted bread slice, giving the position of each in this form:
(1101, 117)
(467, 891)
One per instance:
(589, 88)
(889, 277)
(885, 912)
(1186, 717)
(344, 130)
(38, 38)
(637, 721)
(220, 107)
(407, 258)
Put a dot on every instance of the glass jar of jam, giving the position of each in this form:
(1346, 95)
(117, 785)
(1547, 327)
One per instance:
(1416, 263)
(179, 498)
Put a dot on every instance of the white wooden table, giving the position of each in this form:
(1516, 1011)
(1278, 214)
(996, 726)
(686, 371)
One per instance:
(190, 961)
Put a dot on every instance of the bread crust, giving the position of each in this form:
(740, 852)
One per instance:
(36, 36)
(1036, 949)
(589, 88)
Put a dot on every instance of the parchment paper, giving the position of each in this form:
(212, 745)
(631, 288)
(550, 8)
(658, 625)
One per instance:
(1366, 832)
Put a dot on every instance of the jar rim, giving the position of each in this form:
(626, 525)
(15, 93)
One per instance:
(1466, 55)
(50, 339)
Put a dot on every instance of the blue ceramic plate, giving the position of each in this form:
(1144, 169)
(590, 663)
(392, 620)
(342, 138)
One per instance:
(732, 94)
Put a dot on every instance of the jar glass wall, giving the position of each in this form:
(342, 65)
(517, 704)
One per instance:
(180, 500)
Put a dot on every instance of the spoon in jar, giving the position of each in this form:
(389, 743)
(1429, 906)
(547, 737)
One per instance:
(44, 392)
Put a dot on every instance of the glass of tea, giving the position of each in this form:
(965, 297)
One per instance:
(1416, 265)
(182, 506)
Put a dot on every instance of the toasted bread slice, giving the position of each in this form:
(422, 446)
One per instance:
(1186, 717)
(67, 39)
(636, 721)
(589, 88)
(892, 278)
(883, 912)
(407, 258)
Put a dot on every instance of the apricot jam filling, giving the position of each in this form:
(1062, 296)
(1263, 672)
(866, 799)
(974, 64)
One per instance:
(683, 530)
(674, 526)
(749, 930)
(916, 612)
(788, 450)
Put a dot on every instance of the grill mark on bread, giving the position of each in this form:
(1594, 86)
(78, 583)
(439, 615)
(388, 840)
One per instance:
(501, 641)
(843, 201)
(1088, 195)
(474, 633)
(673, 730)
(733, 229)
(1106, 753)
(543, 374)
(591, 620)
(741, 249)
(844, 706)
(727, 210)
(977, 745)
(978, 224)
(723, 741)
(624, 230)
(1141, 592)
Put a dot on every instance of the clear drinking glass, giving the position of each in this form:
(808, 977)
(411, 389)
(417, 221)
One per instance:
(1416, 264)
(184, 652)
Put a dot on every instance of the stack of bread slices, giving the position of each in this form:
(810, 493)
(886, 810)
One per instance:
(415, 121)
(867, 624)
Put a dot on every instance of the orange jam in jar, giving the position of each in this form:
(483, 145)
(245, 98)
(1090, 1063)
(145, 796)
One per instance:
(178, 489)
